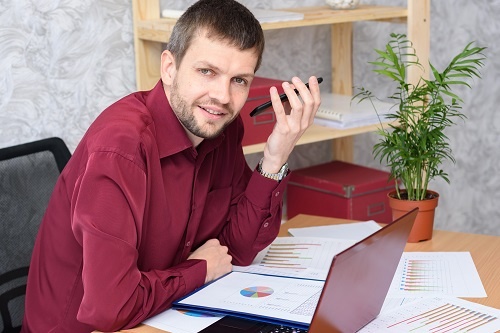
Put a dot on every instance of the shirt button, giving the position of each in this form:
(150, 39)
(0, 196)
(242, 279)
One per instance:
(266, 224)
(277, 193)
(188, 244)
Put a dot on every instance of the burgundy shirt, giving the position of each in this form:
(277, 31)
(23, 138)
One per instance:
(132, 203)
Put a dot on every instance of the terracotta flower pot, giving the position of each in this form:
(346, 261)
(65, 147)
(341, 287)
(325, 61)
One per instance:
(424, 223)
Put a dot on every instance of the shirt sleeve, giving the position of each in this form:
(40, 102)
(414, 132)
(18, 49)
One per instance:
(255, 213)
(254, 219)
(107, 212)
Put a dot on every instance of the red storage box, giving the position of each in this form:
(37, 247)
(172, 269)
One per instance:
(258, 128)
(339, 189)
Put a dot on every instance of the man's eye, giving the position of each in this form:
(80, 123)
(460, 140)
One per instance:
(240, 81)
(205, 71)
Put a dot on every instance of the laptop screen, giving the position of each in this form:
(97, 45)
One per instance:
(359, 279)
(355, 288)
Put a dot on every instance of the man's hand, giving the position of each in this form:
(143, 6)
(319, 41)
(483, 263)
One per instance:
(290, 125)
(217, 258)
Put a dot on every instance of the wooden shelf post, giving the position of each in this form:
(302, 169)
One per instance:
(342, 81)
(147, 53)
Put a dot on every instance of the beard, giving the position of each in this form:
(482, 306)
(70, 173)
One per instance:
(183, 111)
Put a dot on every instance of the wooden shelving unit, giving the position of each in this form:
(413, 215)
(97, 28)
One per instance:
(150, 31)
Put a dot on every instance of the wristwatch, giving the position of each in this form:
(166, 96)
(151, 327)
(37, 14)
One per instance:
(275, 176)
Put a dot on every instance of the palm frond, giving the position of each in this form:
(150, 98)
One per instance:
(417, 146)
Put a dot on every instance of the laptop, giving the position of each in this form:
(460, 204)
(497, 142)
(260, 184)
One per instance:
(354, 290)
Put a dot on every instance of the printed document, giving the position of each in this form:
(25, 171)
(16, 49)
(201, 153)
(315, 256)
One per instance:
(181, 321)
(299, 257)
(274, 298)
(436, 273)
(437, 314)
(347, 231)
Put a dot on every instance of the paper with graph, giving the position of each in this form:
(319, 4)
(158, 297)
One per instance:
(440, 314)
(262, 297)
(349, 231)
(436, 273)
(181, 321)
(299, 257)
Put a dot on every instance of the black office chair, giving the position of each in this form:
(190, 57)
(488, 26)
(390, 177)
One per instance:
(28, 173)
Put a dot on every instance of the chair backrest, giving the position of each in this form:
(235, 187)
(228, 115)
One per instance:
(28, 173)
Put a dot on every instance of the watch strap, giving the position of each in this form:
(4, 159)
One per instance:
(275, 176)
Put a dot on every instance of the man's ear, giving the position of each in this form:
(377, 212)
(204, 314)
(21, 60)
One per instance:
(167, 68)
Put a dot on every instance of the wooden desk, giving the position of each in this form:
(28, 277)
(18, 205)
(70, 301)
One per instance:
(485, 251)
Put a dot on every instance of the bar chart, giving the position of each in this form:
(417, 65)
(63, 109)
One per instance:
(295, 255)
(306, 257)
(438, 315)
(447, 317)
(436, 273)
(425, 275)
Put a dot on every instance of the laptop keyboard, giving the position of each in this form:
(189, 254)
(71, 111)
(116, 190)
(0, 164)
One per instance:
(286, 329)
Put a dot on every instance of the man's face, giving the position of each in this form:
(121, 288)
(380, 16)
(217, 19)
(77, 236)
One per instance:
(209, 87)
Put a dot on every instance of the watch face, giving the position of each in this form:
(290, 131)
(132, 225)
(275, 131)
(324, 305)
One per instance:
(283, 171)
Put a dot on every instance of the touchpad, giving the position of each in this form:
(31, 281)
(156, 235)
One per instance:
(238, 323)
(230, 324)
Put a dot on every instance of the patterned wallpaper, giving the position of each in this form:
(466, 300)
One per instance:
(63, 61)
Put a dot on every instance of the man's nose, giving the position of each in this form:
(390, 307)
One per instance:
(221, 91)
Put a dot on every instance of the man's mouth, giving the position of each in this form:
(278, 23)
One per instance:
(212, 111)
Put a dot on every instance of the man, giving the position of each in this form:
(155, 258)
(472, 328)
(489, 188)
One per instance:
(157, 199)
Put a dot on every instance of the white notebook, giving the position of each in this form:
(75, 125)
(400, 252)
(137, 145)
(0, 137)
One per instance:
(341, 111)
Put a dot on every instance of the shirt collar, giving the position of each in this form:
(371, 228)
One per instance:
(170, 134)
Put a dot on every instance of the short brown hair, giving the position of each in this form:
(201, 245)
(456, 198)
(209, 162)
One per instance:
(225, 20)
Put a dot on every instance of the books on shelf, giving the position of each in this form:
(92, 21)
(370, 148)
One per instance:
(262, 15)
(342, 111)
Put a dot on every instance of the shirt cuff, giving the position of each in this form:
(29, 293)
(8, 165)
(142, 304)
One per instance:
(194, 272)
(264, 192)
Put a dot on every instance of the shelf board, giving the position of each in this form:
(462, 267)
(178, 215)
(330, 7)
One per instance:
(159, 30)
(325, 15)
(317, 133)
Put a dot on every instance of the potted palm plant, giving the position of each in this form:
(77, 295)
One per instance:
(414, 146)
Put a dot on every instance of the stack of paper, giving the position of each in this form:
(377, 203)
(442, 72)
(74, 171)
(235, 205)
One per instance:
(342, 111)
(269, 16)
(262, 15)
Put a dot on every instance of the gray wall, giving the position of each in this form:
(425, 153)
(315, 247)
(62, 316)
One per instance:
(63, 61)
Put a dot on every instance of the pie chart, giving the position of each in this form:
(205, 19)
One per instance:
(257, 292)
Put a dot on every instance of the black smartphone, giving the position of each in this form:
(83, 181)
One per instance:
(259, 109)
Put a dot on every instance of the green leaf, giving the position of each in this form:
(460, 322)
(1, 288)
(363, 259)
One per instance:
(415, 148)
